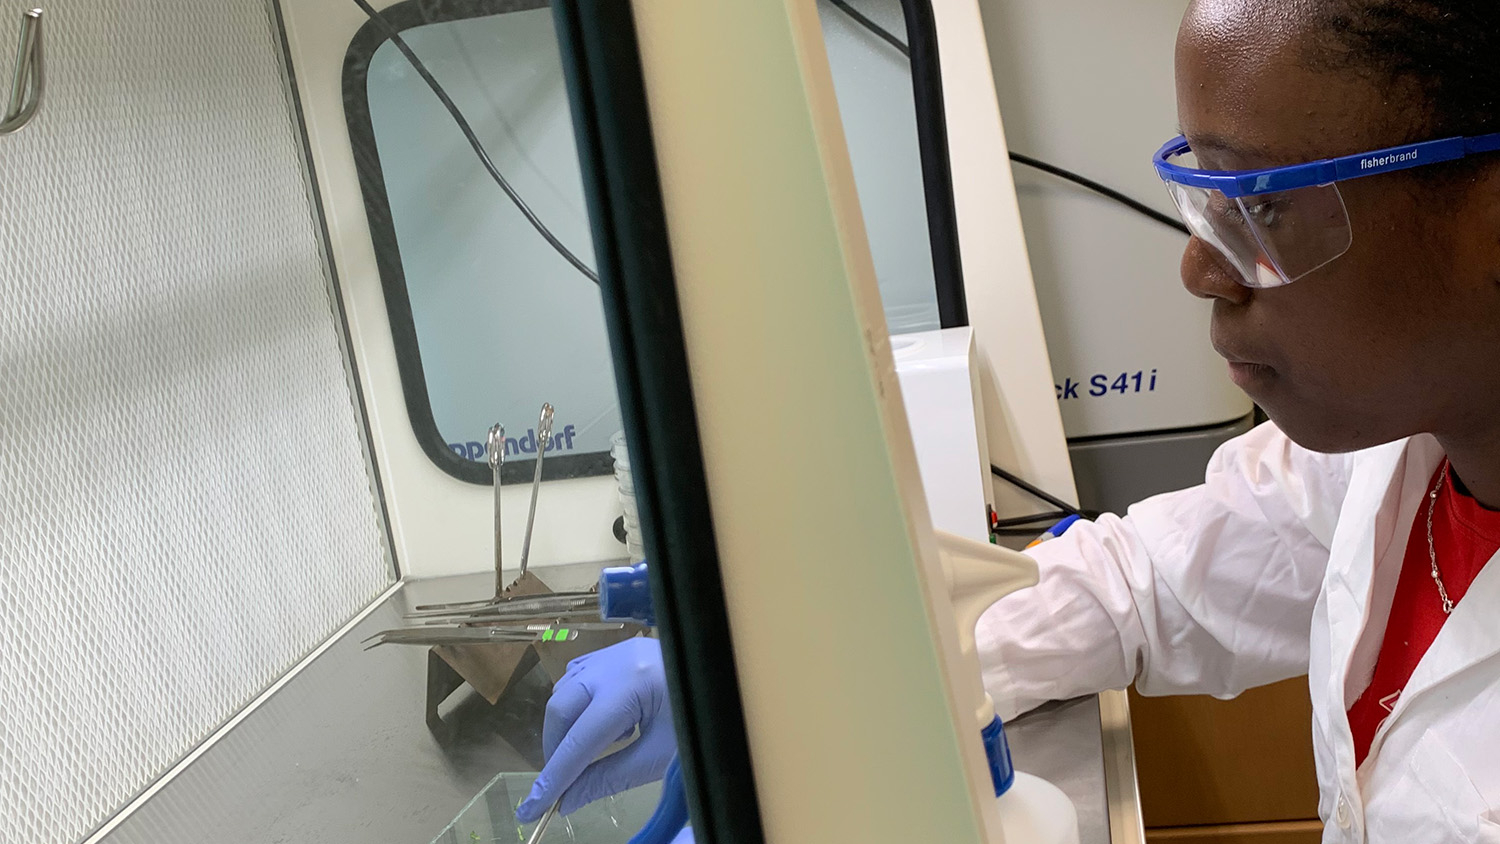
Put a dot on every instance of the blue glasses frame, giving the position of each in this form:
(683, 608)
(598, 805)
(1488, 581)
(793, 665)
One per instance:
(1240, 183)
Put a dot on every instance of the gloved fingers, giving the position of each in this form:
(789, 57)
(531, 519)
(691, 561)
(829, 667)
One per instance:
(570, 698)
(684, 837)
(631, 767)
(590, 735)
(534, 806)
(578, 662)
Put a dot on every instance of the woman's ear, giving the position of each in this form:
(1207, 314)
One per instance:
(1486, 205)
(1476, 215)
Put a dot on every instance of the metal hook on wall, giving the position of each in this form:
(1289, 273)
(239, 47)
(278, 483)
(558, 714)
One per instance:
(26, 84)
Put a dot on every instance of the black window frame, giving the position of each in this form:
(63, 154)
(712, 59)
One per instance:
(627, 213)
(932, 142)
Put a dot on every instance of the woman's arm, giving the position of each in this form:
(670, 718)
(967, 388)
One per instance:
(1205, 591)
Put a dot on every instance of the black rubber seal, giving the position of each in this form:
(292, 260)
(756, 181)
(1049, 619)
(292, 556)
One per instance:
(937, 170)
(356, 73)
(607, 89)
(932, 142)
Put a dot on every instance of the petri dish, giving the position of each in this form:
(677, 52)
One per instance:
(490, 818)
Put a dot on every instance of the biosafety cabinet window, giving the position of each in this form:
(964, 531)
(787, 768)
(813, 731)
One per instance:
(481, 234)
(492, 304)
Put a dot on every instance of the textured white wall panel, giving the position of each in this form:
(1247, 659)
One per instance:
(185, 508)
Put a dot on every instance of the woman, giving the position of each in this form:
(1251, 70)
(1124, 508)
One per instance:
(1350, 538)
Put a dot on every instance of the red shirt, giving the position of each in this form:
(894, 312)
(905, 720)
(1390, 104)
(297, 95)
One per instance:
(1465, 536)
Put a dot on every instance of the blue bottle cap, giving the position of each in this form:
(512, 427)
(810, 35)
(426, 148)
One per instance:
(625, 595)
(1002, 771)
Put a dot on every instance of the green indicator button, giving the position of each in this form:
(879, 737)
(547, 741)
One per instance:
(562, 635)
(547, 637)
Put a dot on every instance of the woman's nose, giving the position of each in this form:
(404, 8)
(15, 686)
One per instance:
(1207, 275)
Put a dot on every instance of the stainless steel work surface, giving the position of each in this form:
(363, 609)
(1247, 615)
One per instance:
(341, 753)
(1062, 743)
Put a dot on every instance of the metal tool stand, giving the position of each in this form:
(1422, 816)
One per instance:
(490, 669)
(442, 682)
(493, 669)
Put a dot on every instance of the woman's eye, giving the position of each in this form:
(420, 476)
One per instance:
(1225, 208)
(1269, 214)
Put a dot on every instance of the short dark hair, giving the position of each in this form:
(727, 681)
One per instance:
(1447, 50)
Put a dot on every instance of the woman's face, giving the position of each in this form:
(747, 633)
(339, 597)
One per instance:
(1402, 334)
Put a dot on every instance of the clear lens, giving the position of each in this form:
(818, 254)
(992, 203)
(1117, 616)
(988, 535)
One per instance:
(1300, 230)
(1219, 222)
(1270, 239)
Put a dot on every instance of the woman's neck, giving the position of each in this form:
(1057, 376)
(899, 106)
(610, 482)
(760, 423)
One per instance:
(1476, 459)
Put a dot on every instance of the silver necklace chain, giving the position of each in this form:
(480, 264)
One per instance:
(1437, 577)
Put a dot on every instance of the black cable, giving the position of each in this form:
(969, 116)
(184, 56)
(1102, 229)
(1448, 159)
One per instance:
(1034, 525)
(1020, 526)
(1032, 532)
(875, 28)
(1045, 519)
(1029, 525)
(479, 150)
(1103, 190)
(1035, 492)
(843, 6)
(1068, 175)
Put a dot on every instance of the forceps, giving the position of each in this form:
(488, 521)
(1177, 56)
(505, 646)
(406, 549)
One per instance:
(541, 825)
(543, 442)
(556, 605)
(496, 450)
(495, 453)
(470, 635)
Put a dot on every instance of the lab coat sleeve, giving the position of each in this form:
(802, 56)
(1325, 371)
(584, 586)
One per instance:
(1205, 591)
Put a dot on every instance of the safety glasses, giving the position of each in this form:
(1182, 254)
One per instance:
(1277, 225)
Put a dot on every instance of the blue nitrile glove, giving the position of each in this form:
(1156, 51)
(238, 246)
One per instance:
(599, 701)
(671, 816)
(684, 837)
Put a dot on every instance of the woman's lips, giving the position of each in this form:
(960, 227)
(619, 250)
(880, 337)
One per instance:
(1244, 372)
(1247, 376)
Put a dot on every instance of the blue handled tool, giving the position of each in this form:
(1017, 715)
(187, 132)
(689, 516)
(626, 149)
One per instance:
(671, 813)
(1055, 531)
(625, 596)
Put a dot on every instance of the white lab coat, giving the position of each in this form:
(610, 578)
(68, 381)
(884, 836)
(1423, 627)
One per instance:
(1284, 562)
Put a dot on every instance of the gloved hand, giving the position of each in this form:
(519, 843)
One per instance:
(599, 701)
(684, 837)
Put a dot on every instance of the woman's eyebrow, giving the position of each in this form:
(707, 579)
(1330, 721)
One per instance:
(1219, 143)
(1248, 155)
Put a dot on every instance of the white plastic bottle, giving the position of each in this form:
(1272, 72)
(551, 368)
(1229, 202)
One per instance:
(1035, 811)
